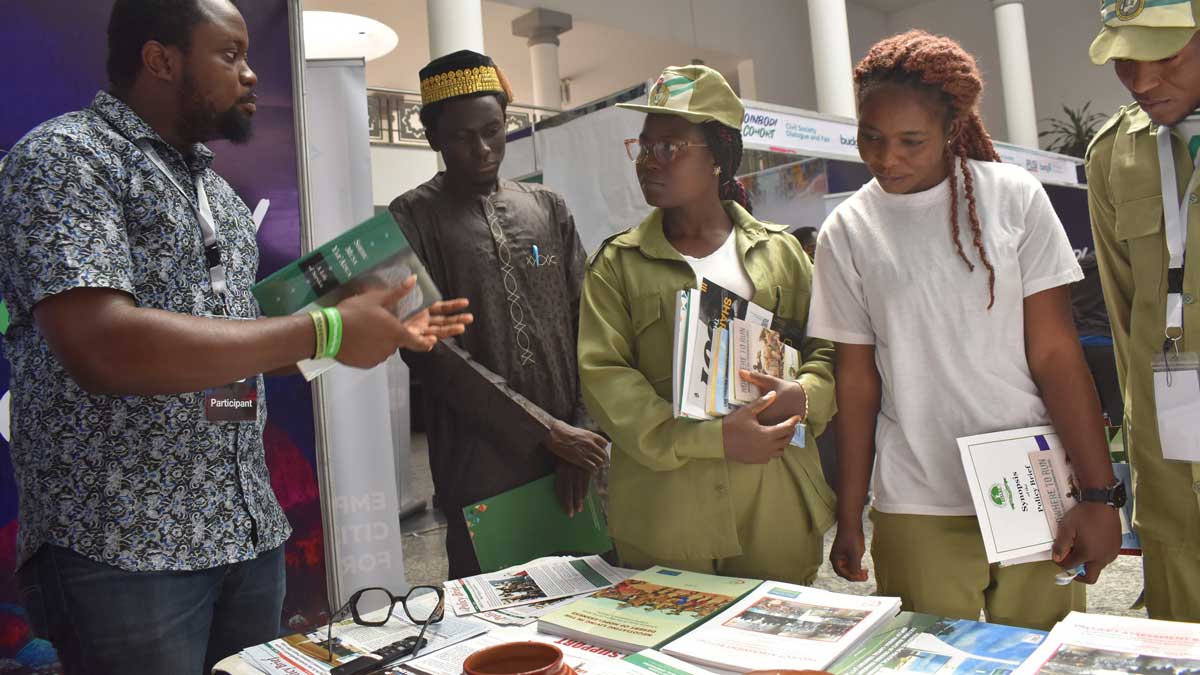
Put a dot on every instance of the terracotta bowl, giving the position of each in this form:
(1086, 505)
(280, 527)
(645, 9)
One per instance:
(518, 658)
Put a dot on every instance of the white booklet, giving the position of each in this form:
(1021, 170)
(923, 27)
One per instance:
(538, 581)
(1096, 643)
(780, 625)
(650, 662)
(1021, 484)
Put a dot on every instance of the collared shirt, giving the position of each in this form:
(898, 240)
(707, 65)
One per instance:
(498, 388)
(1125, 200)
(672, 492)
(138, 482)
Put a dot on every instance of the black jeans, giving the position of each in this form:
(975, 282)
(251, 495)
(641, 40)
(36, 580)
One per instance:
(102, 619)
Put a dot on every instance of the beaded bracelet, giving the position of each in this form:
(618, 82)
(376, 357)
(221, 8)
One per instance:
(321, 327)
(334, 344)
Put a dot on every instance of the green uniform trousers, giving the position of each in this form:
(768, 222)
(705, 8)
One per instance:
(938, 565)
(777, 538)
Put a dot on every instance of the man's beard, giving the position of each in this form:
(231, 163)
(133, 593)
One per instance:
(234, 125)
(205, 123)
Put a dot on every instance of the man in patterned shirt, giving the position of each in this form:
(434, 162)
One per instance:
(150, 540)
(504, 407)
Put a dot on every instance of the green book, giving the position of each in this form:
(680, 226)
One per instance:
(373, 254)
(528, 523)
(646, 610)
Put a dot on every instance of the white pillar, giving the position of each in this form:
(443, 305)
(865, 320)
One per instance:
(1015, 73)
(454, 25)
(547, 85)
(542, 27)
(747, 82)
(830, 37)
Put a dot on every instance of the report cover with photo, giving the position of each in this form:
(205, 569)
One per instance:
(922, 643)
(781, 625)
(647, 609)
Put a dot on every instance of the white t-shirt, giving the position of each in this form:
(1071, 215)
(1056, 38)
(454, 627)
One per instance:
(724, 266)
(888, 275)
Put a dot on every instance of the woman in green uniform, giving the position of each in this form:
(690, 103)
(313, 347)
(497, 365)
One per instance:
(731, 495)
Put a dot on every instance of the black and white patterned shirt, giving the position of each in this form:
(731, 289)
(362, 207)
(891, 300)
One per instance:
(139, 482)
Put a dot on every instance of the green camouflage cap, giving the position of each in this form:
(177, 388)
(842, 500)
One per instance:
(696, 93)
(1144, 30)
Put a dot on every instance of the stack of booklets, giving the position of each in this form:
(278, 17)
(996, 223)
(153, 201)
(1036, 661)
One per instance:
(647, 609)
(921, 643)
(785, 626)
(373, 254)
(1082, 644)
(717, 334)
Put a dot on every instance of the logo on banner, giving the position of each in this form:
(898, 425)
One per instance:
(1128, 10)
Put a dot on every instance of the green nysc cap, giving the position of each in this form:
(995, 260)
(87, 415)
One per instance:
(1144, 30)
(696, 93)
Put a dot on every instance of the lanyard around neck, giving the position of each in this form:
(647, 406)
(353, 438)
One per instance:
(204, 216)
(1175, 222)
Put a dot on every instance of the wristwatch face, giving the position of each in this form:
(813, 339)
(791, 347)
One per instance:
(1118, 495)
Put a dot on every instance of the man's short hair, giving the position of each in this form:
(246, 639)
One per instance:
(133, 23)
(806, 235)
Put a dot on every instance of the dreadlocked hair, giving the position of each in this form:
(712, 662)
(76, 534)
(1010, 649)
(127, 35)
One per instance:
(940, 66)
(725, 144)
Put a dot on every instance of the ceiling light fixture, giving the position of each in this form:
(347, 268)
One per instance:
(336, 35)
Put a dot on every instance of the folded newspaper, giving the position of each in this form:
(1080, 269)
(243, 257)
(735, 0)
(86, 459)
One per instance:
(538, 581)
(308, 653)
(779, 625)
(1092, 643)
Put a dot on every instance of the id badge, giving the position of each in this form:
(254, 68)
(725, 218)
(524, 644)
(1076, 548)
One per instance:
(237, 402)
(1177, 403)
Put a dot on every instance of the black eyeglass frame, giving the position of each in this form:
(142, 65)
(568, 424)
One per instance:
(438, 613)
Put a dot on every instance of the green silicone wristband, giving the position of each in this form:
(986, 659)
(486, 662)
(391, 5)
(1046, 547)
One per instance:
(334, 318)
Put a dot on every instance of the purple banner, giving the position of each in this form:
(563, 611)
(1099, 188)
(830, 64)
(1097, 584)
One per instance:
(61, 46)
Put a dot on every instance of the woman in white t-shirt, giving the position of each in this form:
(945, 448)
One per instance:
(944, 283)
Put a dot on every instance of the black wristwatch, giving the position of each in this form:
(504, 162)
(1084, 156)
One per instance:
(1112, 496)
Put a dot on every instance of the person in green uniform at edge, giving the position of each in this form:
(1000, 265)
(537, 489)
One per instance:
(1155, 50)
(726, 496)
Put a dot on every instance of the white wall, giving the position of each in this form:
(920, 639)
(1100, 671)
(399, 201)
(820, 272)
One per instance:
(396, 169)
(1059, 33)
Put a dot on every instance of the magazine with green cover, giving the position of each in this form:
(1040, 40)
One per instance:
(373, 254)
(528, 522)
(647, 609)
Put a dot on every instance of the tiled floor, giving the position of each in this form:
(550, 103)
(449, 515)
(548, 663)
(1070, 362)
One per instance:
(425, 557)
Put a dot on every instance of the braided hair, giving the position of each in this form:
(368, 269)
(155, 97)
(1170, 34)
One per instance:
(725, 143)
(940, 66)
